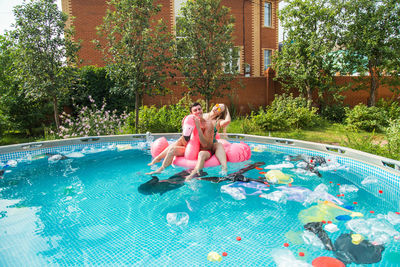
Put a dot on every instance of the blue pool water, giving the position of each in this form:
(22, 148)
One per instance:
(88, 211)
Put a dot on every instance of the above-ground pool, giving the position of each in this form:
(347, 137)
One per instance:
(83, 202)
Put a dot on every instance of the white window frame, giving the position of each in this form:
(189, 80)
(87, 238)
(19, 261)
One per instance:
(230, 63)
(267, 14)
(267, 58)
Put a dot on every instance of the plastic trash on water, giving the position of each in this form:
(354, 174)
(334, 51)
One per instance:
(391, 217)
(286, 258)
(369, 180)
(277, 196)
(214, 256)
(280, 166)
(321, 193)
(376, 230)
(12, 163)
(311, 239)
(55, 158)
(75, 155)
(347, 188)
(331, 227)
(237, 193)
(356, 239)
(178, 218)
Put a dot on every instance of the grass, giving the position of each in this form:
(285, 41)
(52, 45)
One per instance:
(18, 138)
(329, 133)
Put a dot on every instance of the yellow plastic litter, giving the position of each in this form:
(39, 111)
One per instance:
(41, 156)
(352, 213)
(278, 177)
(325, 211)
(356, 239)
(214, 256)
(124, 147)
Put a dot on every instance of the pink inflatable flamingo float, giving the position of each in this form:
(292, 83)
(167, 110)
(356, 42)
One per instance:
(235, 152)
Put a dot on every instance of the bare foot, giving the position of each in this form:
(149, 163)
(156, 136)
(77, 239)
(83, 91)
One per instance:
(159, 170)
(193, 174)
(154, 161)
(224, 170)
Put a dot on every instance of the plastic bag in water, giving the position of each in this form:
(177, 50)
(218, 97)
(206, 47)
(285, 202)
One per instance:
(178, 218)
(285, 258)
(376, 230)
(347, 188)
(237, 193)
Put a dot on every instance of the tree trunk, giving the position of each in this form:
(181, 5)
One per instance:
(373, 87)
(136, 111)
(56, 117)
(207, 104)
(309, 94)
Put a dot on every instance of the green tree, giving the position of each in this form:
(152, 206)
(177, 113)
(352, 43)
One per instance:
(371, 39)
(136, 48)
(206, 53)
(46, 47)
(305, 61)
(17, 112)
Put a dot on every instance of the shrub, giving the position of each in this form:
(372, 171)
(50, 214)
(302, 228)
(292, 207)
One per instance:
(391, 107)
(287, 112)
(334, 113)
(161, 120)
(366, 118)
(3, 123)
(93, 81)
(90, 122)
(393, 138)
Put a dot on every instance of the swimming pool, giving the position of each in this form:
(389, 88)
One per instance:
(86, 209)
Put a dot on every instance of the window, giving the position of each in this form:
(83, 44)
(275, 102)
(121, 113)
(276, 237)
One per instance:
(267, 59)
(178, 18)
(267, 14)
(232, 60)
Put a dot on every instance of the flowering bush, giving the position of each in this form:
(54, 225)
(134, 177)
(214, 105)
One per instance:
(91, 121)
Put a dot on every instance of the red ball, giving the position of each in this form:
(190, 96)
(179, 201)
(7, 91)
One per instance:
(327, 262)
(329, 222)
(371, 211)
(380, 191)
(301, 254)
(285, 244)
(398, 213)
(224, 254)
(355, 203)
(238, 238)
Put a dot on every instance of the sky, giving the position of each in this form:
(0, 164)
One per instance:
(7, 16)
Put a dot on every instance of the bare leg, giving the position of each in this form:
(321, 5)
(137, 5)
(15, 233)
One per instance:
(221, 156)
(160, 156)
(203, 156)
(163, 154)
(172, 151)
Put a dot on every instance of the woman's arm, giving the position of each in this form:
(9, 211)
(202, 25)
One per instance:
(225, 122)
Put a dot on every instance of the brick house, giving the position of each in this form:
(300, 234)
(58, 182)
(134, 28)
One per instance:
(256, 34)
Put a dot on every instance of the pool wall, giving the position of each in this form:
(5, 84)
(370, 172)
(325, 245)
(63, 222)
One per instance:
(386, 171)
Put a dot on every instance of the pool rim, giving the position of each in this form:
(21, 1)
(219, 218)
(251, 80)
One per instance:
(390, 165)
